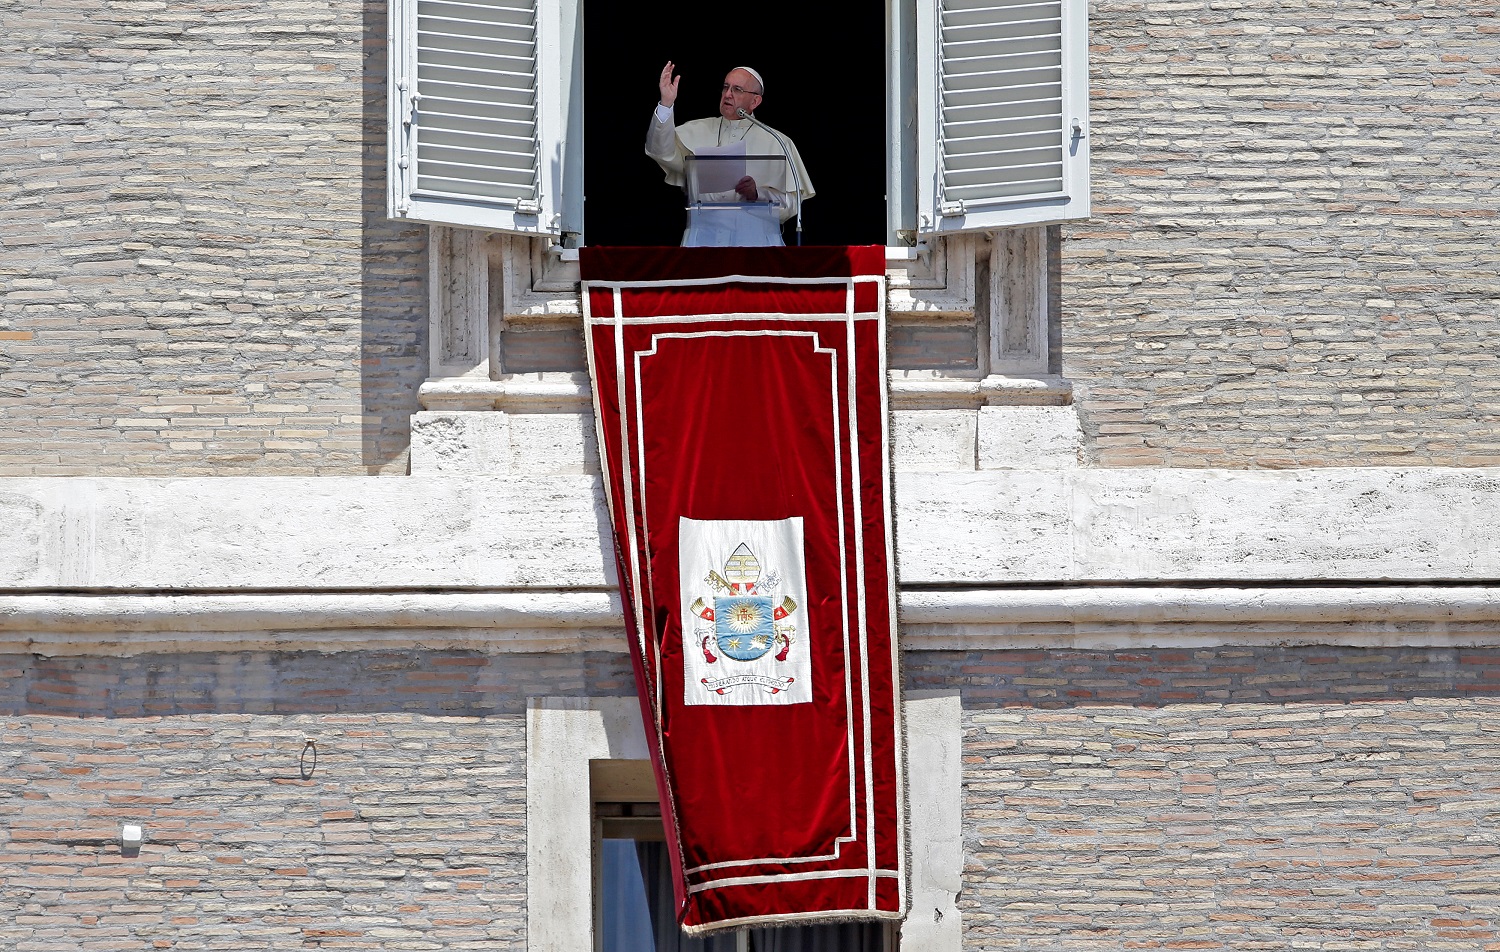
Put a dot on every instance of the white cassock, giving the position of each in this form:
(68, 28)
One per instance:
(776, 183)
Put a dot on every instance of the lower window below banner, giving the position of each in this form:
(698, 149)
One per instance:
(634, 903)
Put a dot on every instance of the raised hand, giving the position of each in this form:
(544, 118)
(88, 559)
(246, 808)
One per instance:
(668, 85)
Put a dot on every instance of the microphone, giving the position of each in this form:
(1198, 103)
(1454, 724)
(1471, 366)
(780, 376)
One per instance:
(796, 179)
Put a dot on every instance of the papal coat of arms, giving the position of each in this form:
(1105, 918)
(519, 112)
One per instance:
(747, 620)
(743, 627)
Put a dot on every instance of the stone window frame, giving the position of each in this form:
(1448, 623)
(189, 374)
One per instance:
(480, 284)
(566, 735)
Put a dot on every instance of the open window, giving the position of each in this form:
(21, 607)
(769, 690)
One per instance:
(1002, 113)
(979, 122)
(634, 910)
(588, 779)
(480, 105)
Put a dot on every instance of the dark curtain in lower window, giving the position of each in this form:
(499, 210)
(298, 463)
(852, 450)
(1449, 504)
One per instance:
(656, 876)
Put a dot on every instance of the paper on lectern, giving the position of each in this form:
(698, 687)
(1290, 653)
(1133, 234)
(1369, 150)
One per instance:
(723, 171)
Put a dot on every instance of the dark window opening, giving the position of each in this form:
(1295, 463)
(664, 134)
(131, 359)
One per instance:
(825, 89)
(636, 907)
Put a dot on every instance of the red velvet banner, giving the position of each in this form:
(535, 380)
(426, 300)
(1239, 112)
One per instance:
(740, 398)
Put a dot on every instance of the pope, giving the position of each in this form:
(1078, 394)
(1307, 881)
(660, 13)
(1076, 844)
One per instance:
(669, 142)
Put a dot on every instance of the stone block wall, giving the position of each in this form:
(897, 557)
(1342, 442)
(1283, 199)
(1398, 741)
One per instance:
(1293, 256)
(196, 272)
(1292, 260)
(1189, 798)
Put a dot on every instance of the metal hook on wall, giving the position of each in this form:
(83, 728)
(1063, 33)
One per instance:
(308, 762)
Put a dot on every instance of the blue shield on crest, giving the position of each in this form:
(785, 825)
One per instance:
(743, 625)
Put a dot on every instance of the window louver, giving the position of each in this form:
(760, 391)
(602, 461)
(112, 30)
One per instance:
(1002, 126)
(475, 123)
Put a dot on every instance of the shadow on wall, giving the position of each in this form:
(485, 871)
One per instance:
(414, 682)
(1159, 677)
(475, 684)
(393, 272)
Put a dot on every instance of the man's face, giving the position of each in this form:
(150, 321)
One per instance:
(740, 91)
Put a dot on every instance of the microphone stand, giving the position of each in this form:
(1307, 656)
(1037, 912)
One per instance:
(796, 179)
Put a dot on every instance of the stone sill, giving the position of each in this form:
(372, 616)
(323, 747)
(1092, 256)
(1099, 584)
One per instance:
(573, 621)
(909, 390)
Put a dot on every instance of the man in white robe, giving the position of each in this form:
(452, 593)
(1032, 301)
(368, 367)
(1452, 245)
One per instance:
(780, 185)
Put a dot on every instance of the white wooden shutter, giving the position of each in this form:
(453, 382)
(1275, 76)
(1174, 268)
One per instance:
(476, 109)
(1002, 112)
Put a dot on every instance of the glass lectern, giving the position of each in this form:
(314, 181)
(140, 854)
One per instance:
(720, 211)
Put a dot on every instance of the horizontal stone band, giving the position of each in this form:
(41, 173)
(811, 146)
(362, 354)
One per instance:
(554, 621)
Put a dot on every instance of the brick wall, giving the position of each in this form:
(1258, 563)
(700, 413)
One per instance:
(196, 272)
(1294, 252)
(1224, 798)
(1229, 798)
(407, 833)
